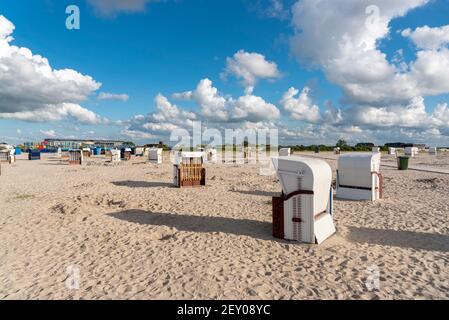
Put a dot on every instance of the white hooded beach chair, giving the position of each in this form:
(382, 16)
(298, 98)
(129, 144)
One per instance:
(140, 151)
(188, 170)
(211, 156)
(337, 150)
(411, 151)
(376, 149)
(285, 152)
(304, 210)
(155, 155)
(115, 155)
(358, 177)
(433, 151)
(249, 156)
(12, 155)
(391, 151)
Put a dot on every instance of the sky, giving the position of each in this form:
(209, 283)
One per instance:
(317, 71)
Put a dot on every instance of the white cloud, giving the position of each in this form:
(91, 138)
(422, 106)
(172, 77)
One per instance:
(56, 113)
(430, 72)
(6, 29)
(136, 134)
(254, 109)
(440, 116)
(211, 103)
(164, 120)
(413, 115)
(341, 37)
(250, 67)
(428, 38)
(300, 108)
(170, 112)
(113, 96)
(31, 90)
(215, 107)
(49, 133)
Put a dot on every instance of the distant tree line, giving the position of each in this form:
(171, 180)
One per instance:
(342, 144)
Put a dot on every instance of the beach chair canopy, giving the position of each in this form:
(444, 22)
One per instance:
(411, 151)
(309, 174)
(154, 152)
(187, 155)
(355, 169)
(285, 152)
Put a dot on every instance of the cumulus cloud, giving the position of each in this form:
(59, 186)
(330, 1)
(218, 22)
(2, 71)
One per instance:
(56, 113)
(301, 107)
(213, 110)
(164, 120)
(211, 103)
(254, 109)
(250, 67)
(6, 29)
(216, 107)
(413, 115)
(31, 90)
(342, 39)
(428, 38)
(49, 133)
(113, 96)
(136, 134)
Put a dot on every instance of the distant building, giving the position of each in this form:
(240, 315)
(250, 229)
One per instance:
(31, 145)
(75, 143)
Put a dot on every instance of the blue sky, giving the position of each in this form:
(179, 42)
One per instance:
(170, 46)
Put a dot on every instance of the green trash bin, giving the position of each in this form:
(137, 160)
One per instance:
(403, 163)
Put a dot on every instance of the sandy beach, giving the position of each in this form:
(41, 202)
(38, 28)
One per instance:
(132, 235)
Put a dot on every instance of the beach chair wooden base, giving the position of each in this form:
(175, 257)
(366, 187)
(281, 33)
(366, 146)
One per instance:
(182, 181)
(5, 157)
(126, 156)
(75, 158)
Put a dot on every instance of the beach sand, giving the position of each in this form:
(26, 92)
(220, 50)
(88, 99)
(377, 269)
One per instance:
(124, 232)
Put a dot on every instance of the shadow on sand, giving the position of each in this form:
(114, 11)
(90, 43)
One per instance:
(257, 193)
(142, 184)
(241, 227)
(403, 239)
